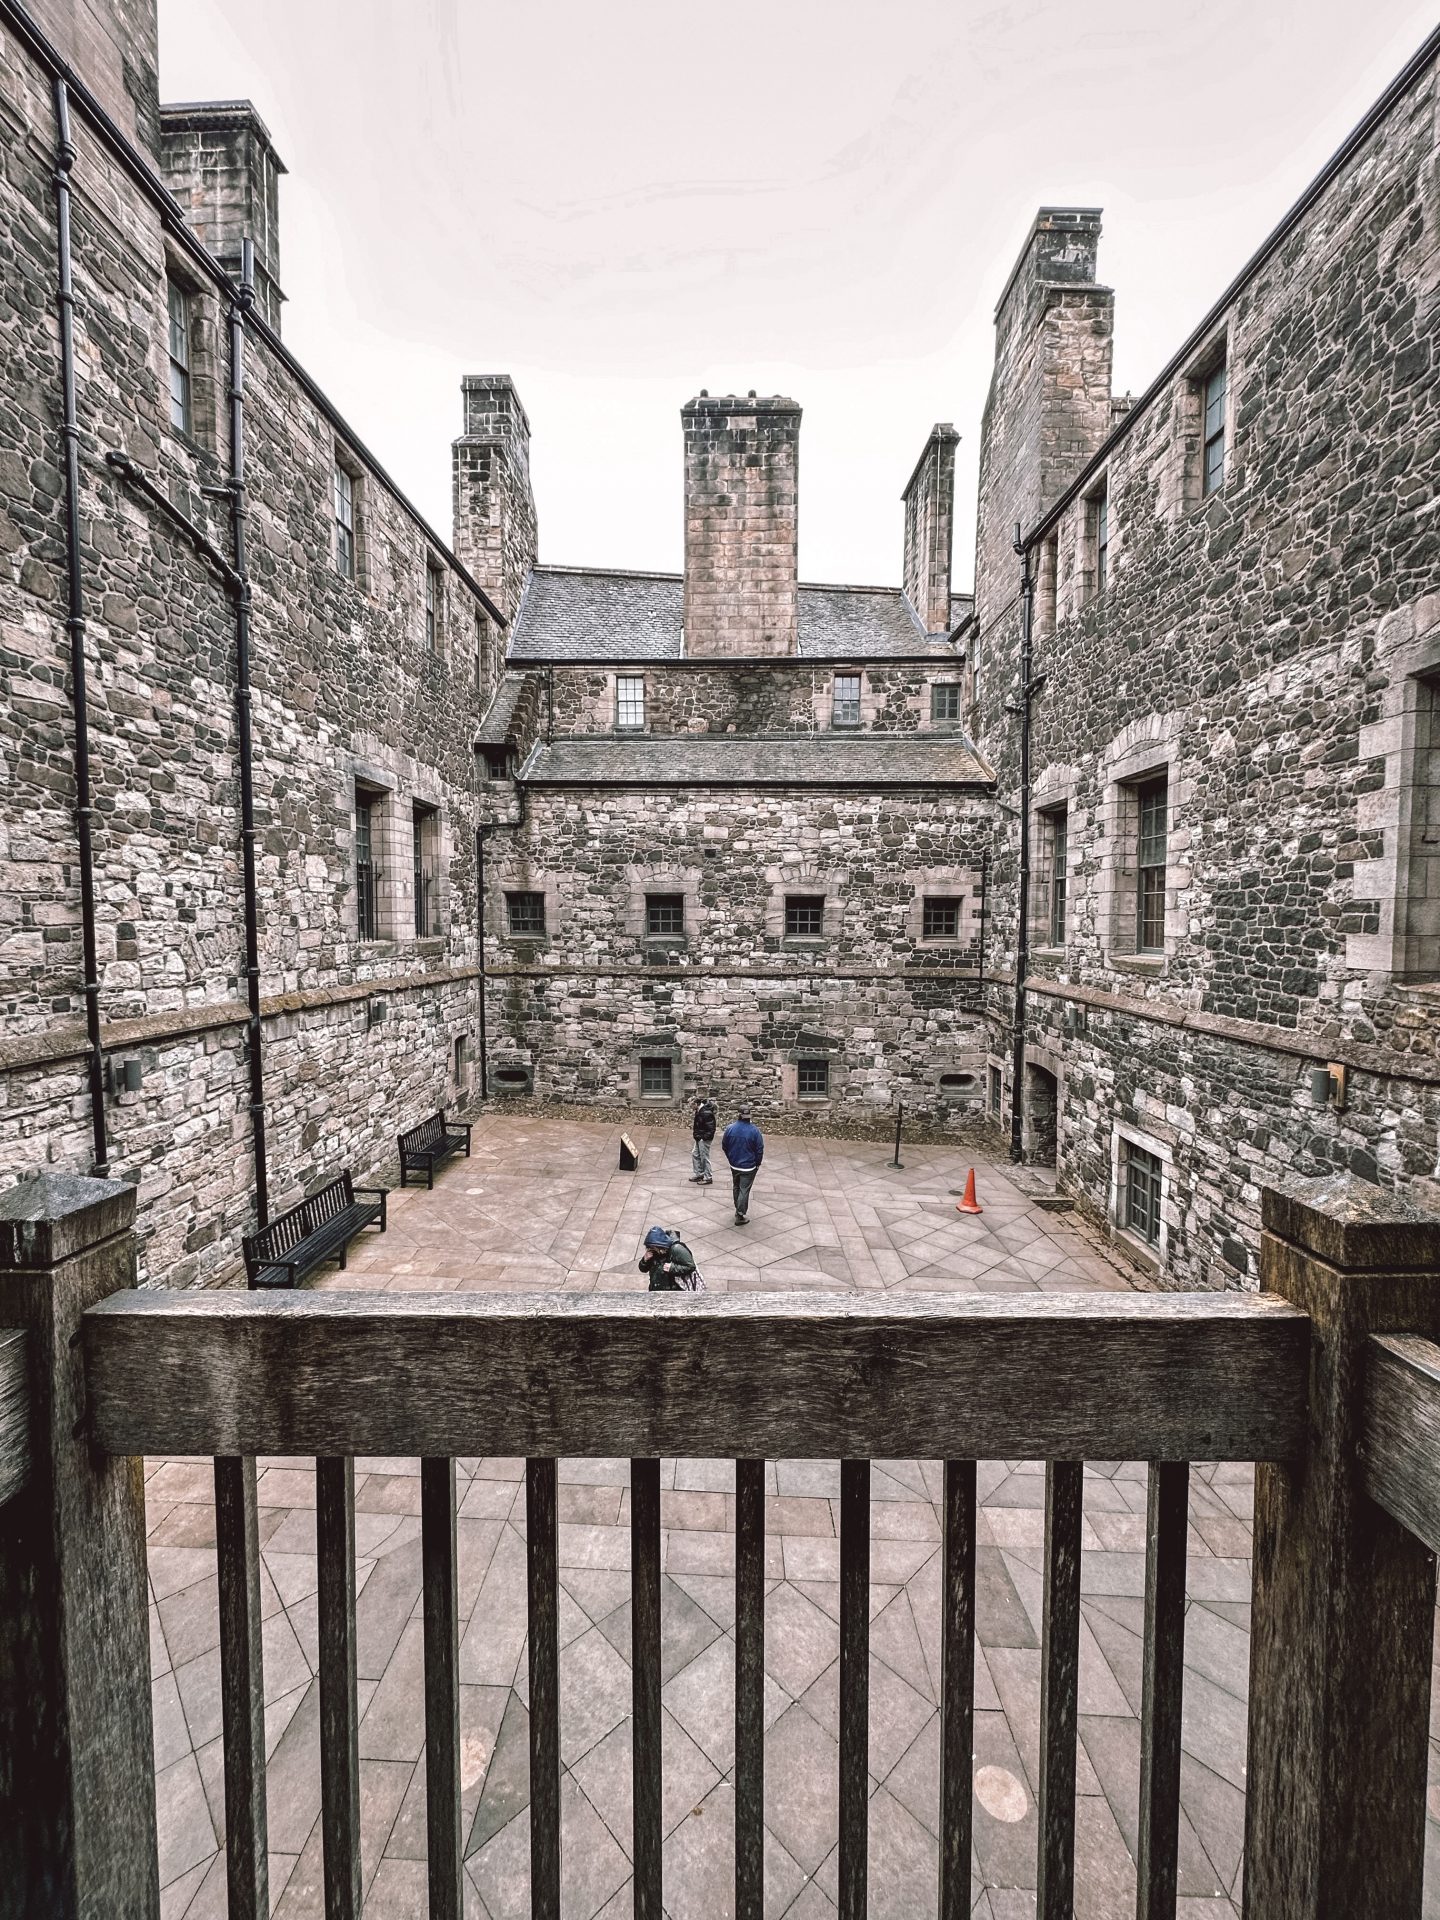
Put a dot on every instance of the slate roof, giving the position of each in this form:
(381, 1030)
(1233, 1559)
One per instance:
(719, 759)
(592, 613)
(494, 729)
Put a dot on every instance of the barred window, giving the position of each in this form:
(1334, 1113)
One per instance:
(996, 1089)
(657, 1078)
(845, 710)
(629, 699)
(804, 916)
(426, 829)
(1150, 866)
(939, 919)
(526, 912)
(367, 874)
(1142, 1194)
(1212, 467)
(812, 1079)
(945, 700)
(1058, 828)
(179, 309)
(664, 913)
(344, 522)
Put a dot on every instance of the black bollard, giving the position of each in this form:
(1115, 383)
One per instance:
(899, 1116)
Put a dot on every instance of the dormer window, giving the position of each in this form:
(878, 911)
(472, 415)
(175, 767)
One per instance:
(845, 707)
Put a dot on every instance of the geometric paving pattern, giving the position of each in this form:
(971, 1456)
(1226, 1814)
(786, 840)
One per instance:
(538, 1207)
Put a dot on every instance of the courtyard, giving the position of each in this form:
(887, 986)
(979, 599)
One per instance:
(540, 1205)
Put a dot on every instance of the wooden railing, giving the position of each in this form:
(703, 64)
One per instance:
(1341, 1639)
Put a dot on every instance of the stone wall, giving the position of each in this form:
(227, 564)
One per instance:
(346, 688)
(1263, 651)
(734, 1002)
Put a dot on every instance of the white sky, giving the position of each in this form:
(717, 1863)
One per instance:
(620, 204)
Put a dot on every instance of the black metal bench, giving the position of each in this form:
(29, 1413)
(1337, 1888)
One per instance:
(426, 1145)
(319, 1229)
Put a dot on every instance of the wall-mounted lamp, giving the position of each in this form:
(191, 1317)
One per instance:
(1327, 1086)
(123, 1076)
(375, 1012)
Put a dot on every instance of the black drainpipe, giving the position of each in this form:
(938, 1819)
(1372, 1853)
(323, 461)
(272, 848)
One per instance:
(1028, 690)
(75, 627)
(239, 511)
(496, 826)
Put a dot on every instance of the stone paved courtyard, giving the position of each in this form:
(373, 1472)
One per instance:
(539, 1206)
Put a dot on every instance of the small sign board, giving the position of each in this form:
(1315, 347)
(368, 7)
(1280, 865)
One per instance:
(629, 1154)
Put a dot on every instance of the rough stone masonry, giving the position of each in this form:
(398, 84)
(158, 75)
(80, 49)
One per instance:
(589, 835)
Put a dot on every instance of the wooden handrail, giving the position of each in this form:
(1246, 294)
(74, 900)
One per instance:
(1400, 1445)
(15, 1411)
(784, 1375)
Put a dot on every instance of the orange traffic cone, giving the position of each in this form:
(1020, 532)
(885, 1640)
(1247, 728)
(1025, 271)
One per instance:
(969, 1204)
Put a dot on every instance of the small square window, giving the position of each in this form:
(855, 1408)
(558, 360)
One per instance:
(344, 522)
(940, 919)
(1212, 462)
(178, 301)
(812, 1079)
(845, 710)
(657, 1079)
(527, 913)
(497, 763)
(804, 916)
(945, 700)
(664, 913)
(1141, 1213)
(629, 700)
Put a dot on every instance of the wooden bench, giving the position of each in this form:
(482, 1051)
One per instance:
(433, 1140)
(319, 1229)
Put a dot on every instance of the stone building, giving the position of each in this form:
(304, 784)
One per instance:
(521, 829)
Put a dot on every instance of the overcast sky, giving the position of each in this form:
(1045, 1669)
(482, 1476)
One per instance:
(620, 204)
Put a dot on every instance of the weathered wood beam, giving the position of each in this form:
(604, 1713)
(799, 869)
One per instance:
(1400, 1434)
(1104, 1376)
(15, 1412)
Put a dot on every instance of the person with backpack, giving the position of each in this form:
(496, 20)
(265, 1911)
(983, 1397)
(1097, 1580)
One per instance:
(669, 1264)
(702, 1131)
(743, 1145)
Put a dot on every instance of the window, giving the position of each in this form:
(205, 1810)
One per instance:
(460, 1072)
(1047, 586)
(940, 919)
(497, 763)
(1056, 827)
(526, 912)
(1141, 1205)
(629, 699)
(1212, 458)
(434, 589)
(480, 650)
(945, 700)
(804, 916)
(996, 1089)
(367, 874)
(812, 1079)
(657, 1079)
(1151, 805)
(845, 708)
(664, 913)
(426, 825)
(344, 522)
(179, 305)
(1098, 509)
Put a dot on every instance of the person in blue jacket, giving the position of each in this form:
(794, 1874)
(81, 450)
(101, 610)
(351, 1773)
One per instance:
(743, 1145)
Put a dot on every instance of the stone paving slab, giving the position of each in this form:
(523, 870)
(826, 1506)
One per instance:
(540, 1204)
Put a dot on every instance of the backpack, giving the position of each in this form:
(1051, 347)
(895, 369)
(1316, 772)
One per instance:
(692, 1282)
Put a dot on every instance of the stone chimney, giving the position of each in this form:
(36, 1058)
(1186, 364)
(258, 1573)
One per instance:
(741, 525)
(930, 529)
(219, 161)
(496, 533)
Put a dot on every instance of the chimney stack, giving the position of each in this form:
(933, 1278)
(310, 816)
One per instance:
(930, 529)
(495, 527)
(741, 525)
(220, 163)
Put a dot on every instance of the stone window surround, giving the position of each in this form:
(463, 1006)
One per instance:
(929, 719)
(344, 459)
(802, 879)
(1186, 478)
(975, 1095)
(509, 883)
(1141, 751)
(432, 581)
(1098, 498)
(392, 827)
(1123, 1133)
(657, 1046)
(863, 715)
(1408, 645)
(994, 1064)
(641, 881)
(820, 1048)
(643, 725)
(1047, 586)
(1053, 790)
(959, 883)
(208, 376)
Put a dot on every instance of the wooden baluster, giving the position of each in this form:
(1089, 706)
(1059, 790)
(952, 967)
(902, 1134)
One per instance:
(854, 1686)
(542, 1556)
(749, 1689)
(242, 1688)
(339, 1710)
(442, 1687)
(1059, 1673)
(645, 1672)
(957, 1687)
(1161, 1683)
